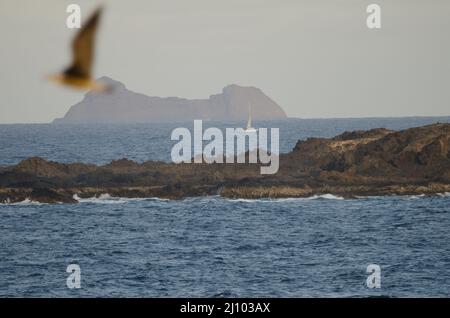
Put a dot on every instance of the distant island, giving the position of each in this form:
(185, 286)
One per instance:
(124, 106)
(358, 163)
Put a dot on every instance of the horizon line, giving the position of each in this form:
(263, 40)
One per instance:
(206, 120)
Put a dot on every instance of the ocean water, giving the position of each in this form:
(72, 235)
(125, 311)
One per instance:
(210, 246)
(100, 144)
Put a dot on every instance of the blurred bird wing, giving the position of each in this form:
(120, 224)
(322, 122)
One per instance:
(83, 48)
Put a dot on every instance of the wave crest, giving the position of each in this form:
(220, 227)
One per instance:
(327, 196)
(27, 201)
(106, 198)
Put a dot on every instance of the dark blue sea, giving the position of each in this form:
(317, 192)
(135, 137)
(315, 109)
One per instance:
(214, 247)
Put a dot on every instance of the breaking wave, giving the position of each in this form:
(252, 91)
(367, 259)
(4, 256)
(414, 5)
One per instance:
(106, 198)
(327, 196)
(27, 201)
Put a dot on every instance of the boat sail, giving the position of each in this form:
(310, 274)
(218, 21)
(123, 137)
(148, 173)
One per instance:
(249, 122)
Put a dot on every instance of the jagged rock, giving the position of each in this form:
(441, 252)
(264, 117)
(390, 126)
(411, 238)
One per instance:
(41, 168)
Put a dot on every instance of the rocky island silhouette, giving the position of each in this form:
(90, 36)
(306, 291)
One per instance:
(121, 105)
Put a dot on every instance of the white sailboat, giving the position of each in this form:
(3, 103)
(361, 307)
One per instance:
(249, 128)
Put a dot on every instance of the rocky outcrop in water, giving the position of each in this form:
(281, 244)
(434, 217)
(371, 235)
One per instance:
(360, 163)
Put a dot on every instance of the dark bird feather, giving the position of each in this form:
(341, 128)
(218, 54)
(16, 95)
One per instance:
(83, 48)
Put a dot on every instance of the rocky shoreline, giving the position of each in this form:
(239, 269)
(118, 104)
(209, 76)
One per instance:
(360, 163)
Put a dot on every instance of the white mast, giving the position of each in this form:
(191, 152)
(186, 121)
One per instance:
(249, 122)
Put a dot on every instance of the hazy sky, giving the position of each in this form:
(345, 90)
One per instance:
(315, 58)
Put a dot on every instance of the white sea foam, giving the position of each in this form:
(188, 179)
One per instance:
(327, 196)
(247, 200)
(27, 201)
(106, 198)
(407, 197)
(414, 197)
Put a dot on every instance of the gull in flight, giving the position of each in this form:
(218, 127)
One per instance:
(78, 74)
